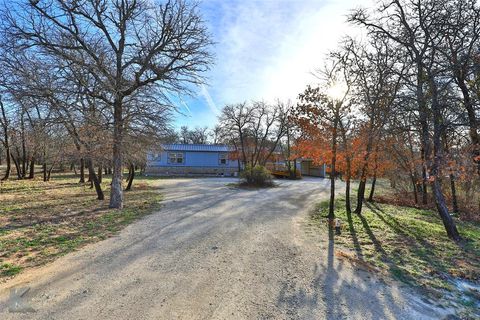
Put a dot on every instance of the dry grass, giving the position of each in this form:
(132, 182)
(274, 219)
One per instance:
(40, 221)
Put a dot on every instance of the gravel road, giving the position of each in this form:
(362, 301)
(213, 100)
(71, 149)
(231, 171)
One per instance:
(214, 252)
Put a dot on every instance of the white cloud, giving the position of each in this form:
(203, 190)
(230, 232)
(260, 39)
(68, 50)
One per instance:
(209, 100)
(268, 49)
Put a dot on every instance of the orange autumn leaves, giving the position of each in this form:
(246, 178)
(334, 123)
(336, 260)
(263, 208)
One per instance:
(318, 149)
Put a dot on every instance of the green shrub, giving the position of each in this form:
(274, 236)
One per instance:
(257, 176)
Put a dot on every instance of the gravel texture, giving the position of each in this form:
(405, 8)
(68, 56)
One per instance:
(214, 252)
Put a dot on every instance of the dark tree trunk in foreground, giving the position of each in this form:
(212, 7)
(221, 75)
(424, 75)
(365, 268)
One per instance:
(116, 191)
(372, 190)
(131, 176)
(363, 175)
(360, 195)
(438, 156)
(447, 220)
(100, 173)
(374, 181)
(94, 179)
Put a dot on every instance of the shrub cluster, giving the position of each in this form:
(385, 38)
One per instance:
(257, 176)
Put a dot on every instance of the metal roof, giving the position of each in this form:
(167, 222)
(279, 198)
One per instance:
(196, 147)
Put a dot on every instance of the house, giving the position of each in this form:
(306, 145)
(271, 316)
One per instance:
(192, 159)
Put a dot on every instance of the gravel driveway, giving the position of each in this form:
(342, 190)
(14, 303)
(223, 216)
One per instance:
(215, 252)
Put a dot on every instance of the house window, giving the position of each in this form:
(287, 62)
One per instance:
(222, 158)
(175, 157)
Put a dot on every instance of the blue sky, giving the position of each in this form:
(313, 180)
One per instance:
(265, 49)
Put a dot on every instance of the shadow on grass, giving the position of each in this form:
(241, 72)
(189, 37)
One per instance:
(414, 251)
(353, 234)
(59, 220)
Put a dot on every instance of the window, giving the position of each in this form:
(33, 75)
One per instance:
(222, 158)
(175, 158)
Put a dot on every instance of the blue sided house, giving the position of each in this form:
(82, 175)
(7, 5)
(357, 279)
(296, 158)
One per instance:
(192, 159)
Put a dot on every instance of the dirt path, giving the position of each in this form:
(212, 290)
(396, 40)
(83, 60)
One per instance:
(214, 252)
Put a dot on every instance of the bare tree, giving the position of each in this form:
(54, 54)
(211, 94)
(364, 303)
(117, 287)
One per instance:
(418, 28)
(461, 25)
(375, 89)
(126, 45)
(254, 129)
(198, 135)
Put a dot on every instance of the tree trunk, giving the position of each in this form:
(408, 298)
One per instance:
(454, 193)
(424, 127)
(363, 176)
(424, 186)
(44, 169)
(442, 208)
(348, 205)
(50, 171)
(82, 170)
(9, 165)
(100, 173)
(372, 190)
(360, 195)
(331, 208)
(472, 121)
(374, 181)
(414, 186)
(94, 179)
(89, 180)
(452, 177)
(116, 193)
(24, 147)
(17, 167)
(31, 174)
(6, 142)
(131, 176)
(295, 168)
(447, 220)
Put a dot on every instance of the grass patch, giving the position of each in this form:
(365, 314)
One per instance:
(8, 269)
(40, 221)
(409, 244)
